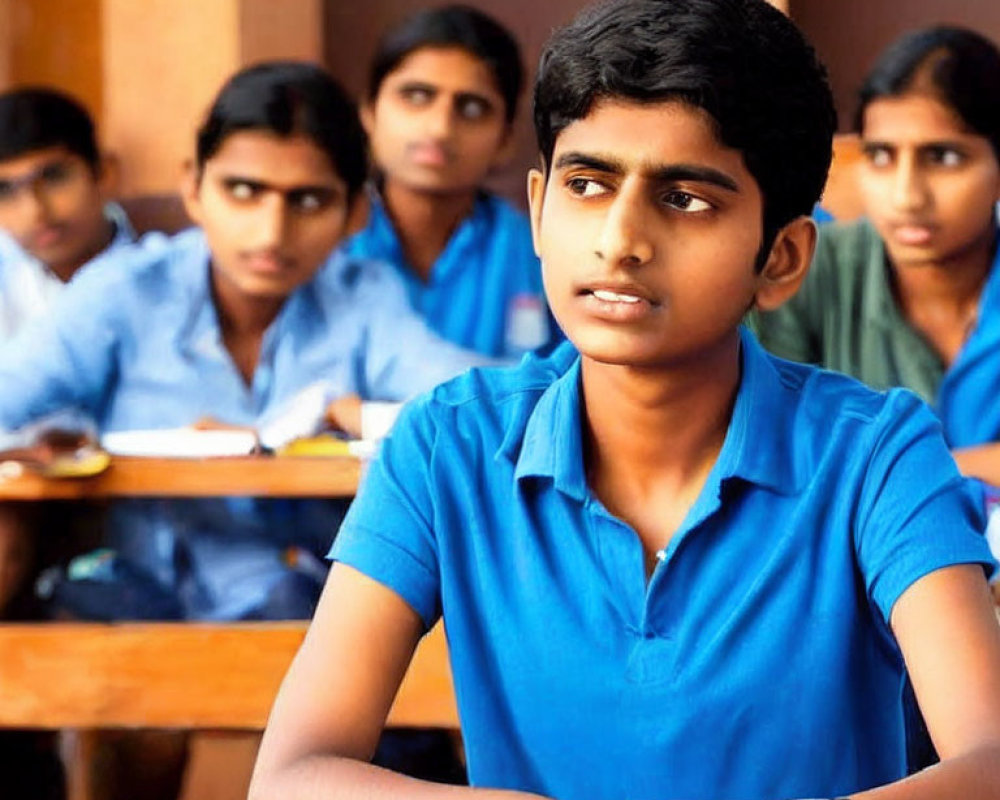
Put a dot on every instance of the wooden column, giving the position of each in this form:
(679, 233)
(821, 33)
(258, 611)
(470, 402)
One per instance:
(164, 60)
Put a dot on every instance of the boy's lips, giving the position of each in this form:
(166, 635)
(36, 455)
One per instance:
(618, 302)
(429, 154)
(265, 263)
(47, 236)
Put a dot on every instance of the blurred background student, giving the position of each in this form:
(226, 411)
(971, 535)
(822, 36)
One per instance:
(442, 97)
(233, 320)
(910, 295)
(55, 208)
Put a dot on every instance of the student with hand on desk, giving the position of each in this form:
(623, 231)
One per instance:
(231, 320)
(669, 564)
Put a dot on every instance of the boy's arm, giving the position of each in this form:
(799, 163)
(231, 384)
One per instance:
(61, 363)
(947, 630)
(981, 461)
(333, 702)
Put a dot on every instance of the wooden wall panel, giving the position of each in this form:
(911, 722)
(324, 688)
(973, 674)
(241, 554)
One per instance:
(56, 43)
(849, 34)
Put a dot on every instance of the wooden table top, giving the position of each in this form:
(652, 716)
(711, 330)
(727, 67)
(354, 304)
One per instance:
(249, 476)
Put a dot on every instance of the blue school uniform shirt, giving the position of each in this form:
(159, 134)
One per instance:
(484, 291)
(756, 663)
(135, 343)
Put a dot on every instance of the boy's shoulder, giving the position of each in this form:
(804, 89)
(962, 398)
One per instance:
(494, 398)
(154, 263)
(821, 409)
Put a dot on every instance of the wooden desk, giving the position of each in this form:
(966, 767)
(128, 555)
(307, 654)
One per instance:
(252, 476)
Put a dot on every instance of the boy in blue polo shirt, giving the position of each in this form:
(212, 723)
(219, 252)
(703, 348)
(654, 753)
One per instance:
(442, 96)
(669, 565)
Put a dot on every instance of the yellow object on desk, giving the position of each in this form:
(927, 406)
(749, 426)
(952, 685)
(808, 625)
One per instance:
(326, 444)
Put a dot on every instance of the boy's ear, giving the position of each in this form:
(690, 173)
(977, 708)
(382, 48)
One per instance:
(787, 264)
(357, 213)
(367, 114)
(190, 183)
(536, 198)
(108, 175)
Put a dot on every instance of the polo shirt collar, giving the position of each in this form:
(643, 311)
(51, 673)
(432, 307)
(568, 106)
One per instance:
(759, 445)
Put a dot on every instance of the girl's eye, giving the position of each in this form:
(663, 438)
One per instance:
(945, 157)
(682, 201)
(585, 187)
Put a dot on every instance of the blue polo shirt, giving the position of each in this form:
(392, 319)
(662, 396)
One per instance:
(484, 291)
(756, 663)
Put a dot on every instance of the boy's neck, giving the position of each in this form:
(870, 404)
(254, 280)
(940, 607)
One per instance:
(243, 321)
(652, 437)
(425, 221)
(98, 245)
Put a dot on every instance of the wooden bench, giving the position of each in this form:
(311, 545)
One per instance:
(179, 675)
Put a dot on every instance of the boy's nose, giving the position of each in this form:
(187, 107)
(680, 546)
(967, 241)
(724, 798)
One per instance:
(271, 223)
(624, 235)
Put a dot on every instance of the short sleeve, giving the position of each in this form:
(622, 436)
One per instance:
(388, 533)
(916, 513)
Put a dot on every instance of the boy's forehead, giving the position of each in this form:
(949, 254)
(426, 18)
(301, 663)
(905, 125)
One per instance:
(32, 160)
(260, 153)
(649, 135)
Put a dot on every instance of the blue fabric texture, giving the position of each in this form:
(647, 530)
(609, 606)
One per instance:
(135, 343)
(485, 289)
(756, 663)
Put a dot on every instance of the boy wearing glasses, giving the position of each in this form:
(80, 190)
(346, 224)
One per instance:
(54, 209)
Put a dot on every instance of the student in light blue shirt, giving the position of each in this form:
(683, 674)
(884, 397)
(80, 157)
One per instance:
(669, 565)
(55, 214)
(233, 321)
(442, 96)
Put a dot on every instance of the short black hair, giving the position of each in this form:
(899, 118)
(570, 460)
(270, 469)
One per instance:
(34, 118)
(288, 98)
(957, 66)
(741, 61)
(453, 26)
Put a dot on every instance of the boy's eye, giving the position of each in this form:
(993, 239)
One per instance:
(417, 95)
(241, 190)
(682, 201)
(586, 187)
(309, 201)
(7, 190)
(878, 156)
(472, 108)
(55, 174)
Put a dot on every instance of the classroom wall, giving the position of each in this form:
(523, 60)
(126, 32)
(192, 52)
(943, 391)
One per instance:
(53, 42)
(848, 34)
(352, 30)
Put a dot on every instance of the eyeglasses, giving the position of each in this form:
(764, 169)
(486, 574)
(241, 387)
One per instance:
(49, 177)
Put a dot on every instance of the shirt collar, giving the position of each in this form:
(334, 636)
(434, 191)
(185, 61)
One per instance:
(759, 445)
